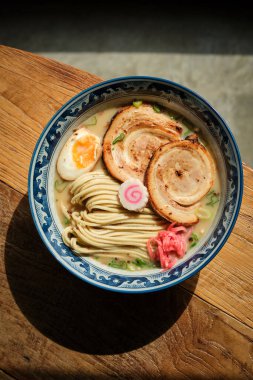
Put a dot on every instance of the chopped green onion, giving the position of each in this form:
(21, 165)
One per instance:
(203, 213)
(91, 121)
(212, 198)
(156, 108)
(60, 185)
(133, 265)
(143, 263)
(120, 137)
(137, 103)
(194, 240)
(139, 262)
(66, 221)
(213, 201)
(119, 264)
(186, 133)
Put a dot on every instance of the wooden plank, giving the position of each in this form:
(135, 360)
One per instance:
(5, 376)
(226, 281)
(55, 326)
(32, 89)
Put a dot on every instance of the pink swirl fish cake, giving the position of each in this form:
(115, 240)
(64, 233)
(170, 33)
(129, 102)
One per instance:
(133, 195)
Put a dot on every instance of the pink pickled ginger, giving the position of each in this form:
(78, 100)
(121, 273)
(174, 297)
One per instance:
(169, 245)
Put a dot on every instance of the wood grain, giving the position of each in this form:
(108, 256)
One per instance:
(57, 327)
(32, 89)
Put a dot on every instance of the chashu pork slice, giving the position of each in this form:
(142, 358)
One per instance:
(132, 138)
(180, 174)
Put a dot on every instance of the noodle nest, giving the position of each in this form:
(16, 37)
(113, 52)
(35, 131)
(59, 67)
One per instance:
(102, 227)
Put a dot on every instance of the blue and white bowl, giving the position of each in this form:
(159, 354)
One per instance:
(87, 102)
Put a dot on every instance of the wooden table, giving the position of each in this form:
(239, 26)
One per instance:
(54, 326)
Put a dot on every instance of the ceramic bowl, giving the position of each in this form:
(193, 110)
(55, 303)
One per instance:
(117, 91)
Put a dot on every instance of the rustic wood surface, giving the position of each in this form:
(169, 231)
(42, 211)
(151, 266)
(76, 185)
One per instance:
(54, 326)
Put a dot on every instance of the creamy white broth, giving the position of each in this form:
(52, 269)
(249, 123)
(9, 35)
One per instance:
(103, 119)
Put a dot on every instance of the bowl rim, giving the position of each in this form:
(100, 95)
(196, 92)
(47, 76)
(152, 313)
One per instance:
(239, 170)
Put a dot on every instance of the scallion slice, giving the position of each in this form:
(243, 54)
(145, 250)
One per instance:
(156, 108)
(91, 121)
(143, 263)
(137, 103)
(203, 213)
(193, 240)
(186, 132)
(66, 221)
(119, 264)
(60, 185)
(212, 198)
(120, 137)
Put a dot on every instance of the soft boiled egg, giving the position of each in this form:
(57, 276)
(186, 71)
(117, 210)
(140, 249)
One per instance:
(79, 155)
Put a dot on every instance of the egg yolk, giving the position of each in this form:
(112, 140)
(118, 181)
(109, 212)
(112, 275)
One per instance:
(84, 151)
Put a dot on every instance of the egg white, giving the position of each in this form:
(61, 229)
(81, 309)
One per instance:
(66, 166)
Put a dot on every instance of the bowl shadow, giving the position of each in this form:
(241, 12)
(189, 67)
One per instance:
(73, 313)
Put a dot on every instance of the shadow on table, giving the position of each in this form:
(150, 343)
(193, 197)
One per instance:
(75, 314)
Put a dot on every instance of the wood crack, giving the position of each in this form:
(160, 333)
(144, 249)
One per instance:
(8, 375)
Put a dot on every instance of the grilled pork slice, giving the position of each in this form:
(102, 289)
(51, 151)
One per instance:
(133, 136)
(180, 174)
